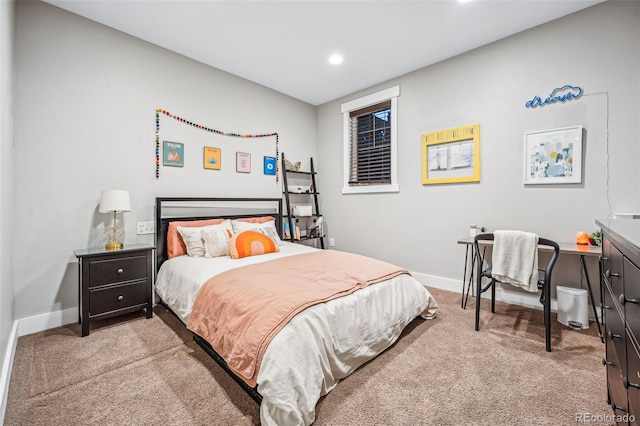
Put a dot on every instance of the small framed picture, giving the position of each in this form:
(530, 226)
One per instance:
(269, 165)
(243, 162)
(173, 154)
(212, 158)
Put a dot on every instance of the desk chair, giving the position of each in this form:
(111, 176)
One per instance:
(544, 281)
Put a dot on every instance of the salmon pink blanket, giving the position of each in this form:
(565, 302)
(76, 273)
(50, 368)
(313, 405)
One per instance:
(239, 311)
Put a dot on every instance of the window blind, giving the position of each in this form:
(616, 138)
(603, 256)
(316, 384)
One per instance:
(370, 159)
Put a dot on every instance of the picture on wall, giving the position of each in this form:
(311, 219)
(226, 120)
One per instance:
(438, 157)
(553, 156)
(451, 155)
(212, 158)
(269, 165)
(243, 162)
(173, 154)
(461, 154)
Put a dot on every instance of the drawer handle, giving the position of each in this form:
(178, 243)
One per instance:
(120, 270)
(626, 383)
(605, 362)
(624, 300)
(604, 258)
(606, 307)
(610, 274)
(121, 297)
(617, 407)
(612, 336)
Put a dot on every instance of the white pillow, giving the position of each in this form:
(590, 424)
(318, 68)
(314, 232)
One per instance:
(192, 237)
(268, 228)
(271, 232)
(216, 241)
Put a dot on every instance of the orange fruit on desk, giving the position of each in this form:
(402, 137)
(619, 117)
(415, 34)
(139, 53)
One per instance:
(582, 238)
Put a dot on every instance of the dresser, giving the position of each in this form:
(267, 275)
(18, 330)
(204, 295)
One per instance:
(620, 286)
(114, 282)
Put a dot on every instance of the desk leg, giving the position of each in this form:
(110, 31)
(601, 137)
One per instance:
(593, 302)
(470, 286)
(465, 283)
(464, 276)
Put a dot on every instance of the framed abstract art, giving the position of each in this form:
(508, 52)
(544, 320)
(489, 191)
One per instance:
(553, 156)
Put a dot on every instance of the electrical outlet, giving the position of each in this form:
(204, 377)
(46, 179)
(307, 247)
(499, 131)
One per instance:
(146, 228)
(332, 242)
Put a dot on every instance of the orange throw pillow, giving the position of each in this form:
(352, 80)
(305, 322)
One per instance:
(261, 219)
(251, 243)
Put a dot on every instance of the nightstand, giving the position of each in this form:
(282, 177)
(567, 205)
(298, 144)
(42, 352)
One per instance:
(114, 282)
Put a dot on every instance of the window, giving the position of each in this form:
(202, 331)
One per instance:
(370, 146)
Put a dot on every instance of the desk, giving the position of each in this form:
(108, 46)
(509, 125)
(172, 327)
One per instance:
(583, 250)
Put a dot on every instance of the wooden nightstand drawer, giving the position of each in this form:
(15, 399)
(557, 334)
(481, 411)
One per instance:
(115, 298)
(113, 270)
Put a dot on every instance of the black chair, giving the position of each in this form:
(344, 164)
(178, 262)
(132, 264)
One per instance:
(544, 281)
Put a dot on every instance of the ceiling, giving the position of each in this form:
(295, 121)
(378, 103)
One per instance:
(285, 45)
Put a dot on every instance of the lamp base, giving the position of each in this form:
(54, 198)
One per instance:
(114, 246)
(114, 237)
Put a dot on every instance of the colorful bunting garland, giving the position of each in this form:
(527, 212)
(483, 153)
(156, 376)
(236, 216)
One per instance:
(210, 130)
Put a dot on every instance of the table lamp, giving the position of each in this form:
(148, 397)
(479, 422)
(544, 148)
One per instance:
(114, 201)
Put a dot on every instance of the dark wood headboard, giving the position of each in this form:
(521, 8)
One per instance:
(197, 208)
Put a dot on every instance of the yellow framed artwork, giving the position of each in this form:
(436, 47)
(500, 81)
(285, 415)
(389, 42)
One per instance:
(212, 158)
(451, 155)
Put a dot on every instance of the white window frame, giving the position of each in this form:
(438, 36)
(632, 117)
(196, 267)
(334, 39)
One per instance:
(390, 94)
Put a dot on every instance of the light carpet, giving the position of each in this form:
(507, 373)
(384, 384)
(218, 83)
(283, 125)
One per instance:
(132, 370)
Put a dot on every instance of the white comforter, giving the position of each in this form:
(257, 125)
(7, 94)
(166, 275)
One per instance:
(320, 345)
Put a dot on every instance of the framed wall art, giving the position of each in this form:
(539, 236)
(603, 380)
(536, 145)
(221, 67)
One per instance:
(173, 154)
(269, 165)
(451, 155)
(212, 158)
(243, 162)
(553, 156)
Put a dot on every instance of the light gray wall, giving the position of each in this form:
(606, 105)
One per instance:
(418, 228)
(85, 106)
(6, 177)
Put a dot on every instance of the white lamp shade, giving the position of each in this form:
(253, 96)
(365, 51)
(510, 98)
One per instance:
(115, 200)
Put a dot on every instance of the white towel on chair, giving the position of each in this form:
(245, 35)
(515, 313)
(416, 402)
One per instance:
(515, 259)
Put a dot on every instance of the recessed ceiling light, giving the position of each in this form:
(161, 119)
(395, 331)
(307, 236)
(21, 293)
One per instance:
(335, 59)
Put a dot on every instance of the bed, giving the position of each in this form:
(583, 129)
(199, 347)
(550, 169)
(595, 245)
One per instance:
(311, 348)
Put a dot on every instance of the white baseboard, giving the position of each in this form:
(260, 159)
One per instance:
(43, 322)
(438, 282)
(5, 374)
